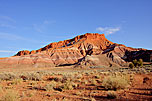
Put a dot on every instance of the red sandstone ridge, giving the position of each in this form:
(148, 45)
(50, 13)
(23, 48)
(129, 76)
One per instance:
(95, 39)
(88, 49)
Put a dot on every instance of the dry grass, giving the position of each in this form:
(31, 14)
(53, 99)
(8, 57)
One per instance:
(32, 76)
(17, 81)
(68, 86)
(115, 83)
(10, 95)
(8, 76)
(70, 83)
(50, 86)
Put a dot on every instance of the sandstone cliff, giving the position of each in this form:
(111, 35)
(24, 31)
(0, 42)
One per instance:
(89, 49)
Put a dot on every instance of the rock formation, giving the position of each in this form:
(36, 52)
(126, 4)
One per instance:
(89, 49)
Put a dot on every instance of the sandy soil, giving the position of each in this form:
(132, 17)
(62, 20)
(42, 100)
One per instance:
(89, 85)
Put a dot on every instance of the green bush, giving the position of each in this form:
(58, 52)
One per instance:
(135, 62)
(140, 62)
(131, 65)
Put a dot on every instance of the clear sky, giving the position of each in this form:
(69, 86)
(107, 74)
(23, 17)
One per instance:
(32, 24)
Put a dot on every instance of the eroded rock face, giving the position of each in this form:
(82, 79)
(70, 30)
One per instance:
(70, 51)
(90, 48)
(84, 43)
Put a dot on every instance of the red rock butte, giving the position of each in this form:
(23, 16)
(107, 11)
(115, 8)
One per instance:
(94, 38)
(90, 49)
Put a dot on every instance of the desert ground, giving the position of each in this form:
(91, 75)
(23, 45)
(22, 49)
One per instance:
(76, 84)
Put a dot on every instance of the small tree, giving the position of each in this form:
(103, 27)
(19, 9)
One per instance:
(135, 62)
(140, 62)
(131, 65)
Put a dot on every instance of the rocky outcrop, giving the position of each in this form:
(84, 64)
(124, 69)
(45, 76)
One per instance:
(24, 52)
(88, 49)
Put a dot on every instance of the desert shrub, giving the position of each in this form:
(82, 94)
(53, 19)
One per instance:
(35, 77)
(131, 65)
(69, 85)
(50, 86)
(8, 76)
(57, 79)
(10, 96)
(16, 81)
(94, 82)
(64, 79)
(32, 76)
(115, 83)
(111, 95)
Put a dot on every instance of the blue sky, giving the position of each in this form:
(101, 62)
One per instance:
(32, 24)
